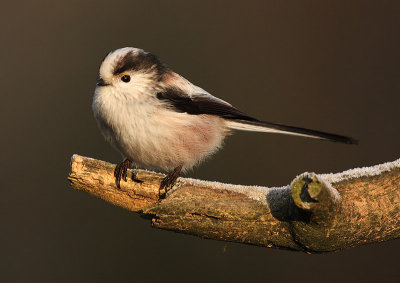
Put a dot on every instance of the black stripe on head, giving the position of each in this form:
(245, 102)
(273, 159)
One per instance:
(140, 61)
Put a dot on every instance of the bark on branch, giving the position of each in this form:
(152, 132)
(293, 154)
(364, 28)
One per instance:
(315, 213)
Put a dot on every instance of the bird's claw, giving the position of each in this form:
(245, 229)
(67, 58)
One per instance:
(121, 171)
(169, 181)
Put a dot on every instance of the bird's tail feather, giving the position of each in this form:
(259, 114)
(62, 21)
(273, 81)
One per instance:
(266, 127)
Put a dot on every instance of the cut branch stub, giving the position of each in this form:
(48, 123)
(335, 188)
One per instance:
(318, 205)
(313, 195)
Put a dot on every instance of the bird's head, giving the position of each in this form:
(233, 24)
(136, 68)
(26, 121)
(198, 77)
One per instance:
(130, 73)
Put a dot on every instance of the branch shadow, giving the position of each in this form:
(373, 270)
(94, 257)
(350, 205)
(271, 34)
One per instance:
(282, 207)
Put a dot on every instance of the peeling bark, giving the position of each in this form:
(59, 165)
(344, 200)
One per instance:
(315, 213)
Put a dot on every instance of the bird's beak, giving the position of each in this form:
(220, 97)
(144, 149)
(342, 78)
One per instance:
(101, 82)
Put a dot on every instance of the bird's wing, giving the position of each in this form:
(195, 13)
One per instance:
(201, 103)
(185, 97)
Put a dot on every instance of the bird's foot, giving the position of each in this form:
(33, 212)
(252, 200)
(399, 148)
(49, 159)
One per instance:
(169, 181)
(121, 171)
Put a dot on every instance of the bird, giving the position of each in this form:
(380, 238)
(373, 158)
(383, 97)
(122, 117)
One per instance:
(159, 120)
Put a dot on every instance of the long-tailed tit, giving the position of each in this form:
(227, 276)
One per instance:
(157, 119)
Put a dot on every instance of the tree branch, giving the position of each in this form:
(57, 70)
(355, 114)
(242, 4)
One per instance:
(315, 213)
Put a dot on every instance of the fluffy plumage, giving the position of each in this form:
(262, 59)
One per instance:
(158, 119)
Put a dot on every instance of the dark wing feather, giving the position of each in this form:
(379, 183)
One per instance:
(201, 104)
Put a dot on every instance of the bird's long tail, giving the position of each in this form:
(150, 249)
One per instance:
(266, 127)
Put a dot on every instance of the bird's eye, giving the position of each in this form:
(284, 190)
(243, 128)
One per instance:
(126, 78)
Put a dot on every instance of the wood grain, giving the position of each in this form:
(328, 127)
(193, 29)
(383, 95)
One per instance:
(313, 214)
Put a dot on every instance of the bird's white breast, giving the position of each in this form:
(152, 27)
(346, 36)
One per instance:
(154, 136)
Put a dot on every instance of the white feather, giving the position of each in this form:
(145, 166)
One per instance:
(255, 128)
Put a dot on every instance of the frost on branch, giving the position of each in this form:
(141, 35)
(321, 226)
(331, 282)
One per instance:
(315, 213)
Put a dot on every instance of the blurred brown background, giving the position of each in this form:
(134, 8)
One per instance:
(326, 65)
